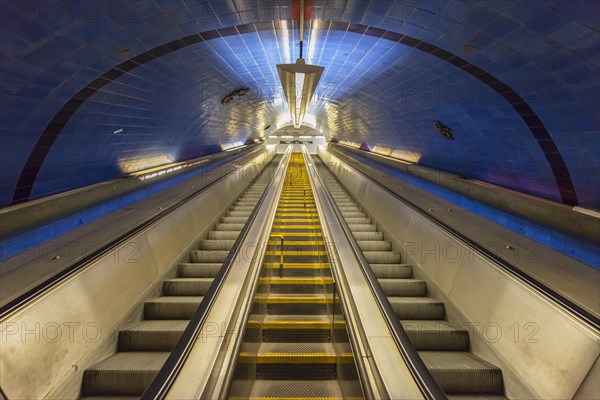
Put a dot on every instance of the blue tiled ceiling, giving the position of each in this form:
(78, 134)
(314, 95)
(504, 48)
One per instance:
(374, 90)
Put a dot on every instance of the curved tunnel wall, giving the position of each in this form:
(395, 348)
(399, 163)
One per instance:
(381, 87)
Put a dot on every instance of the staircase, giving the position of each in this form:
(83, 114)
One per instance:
(288, 350)
(443, 346)
(144, 347)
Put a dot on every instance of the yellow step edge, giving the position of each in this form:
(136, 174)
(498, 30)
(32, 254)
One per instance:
(292, 234)
(276, 227)
(296, 209)
(297, 243)
(273, 299)
(297, 265)
(294, 358)
(296, 253)
(296, 281)
(310, 214)
(285, 220)
(294, 398)
(292, 324)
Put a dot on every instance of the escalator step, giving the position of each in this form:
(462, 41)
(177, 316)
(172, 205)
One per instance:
(208, 256)
(374, 245)
(283, 389)
(363, 236)
(187, 286)
(462, 372)
(382, 257)
(171, 307)
(223, 235)
(362, 228)
(127, 373)
(417, 308)
(403, 287)
(392, 270)
(159, 335)
(198, 270)
(436, 335)
(217, 244)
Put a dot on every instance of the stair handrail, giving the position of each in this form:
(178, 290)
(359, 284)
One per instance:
(423, 378)
(168, 372)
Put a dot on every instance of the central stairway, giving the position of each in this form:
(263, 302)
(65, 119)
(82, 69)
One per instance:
(295, 344)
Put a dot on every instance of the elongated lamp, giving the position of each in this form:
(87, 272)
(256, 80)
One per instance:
(299, 82)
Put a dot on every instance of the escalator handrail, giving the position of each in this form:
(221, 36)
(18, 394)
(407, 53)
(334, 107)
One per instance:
(507, 266)
(61, 276)
(428, 386)
(168, 372)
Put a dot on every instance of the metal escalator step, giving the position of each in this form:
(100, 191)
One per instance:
(293, 303)
(403, 287)
(277, 285)
(240, 208)
(292, 322)
(295, 252)
(358, 221)
(417, 308)
(294, 360)
(436, 335)
(374, 245)
(476, 397)
(308, 298)
(277, 242)
(291, 390)
(354, 214)
(223, 235)
(187, 286)
(295, 227)
(123, 373)
(362, 228)
(234, 220)
(229, 227)
(287, 266)
(158, 335)
(198, 270)
(364, 236)
(208, 256)
(292, 328)
(171, 307)
(382, 257)
(463, 372)
(216, 244)
(239, 213)
(392, 270)
(296, 281)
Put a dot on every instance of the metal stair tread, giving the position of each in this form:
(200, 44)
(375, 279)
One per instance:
(176, 299)
(297, 389)
(454, 360)
(132, 360)
(158, 325)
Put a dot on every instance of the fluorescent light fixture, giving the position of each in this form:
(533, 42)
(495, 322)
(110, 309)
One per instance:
(299, 82)
(286, 137)
(304, 137)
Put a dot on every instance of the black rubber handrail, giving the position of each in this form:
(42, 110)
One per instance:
(422, 376)
(43, 287)
(169, 371)
(544, 290)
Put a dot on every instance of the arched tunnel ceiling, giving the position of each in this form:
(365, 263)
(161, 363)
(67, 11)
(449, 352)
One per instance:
(523, 108)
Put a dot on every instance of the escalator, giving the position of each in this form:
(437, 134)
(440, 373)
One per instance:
(443, 346)
(295, 343)
(143, 347)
